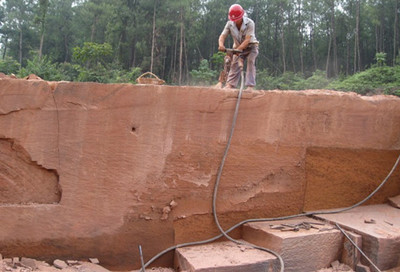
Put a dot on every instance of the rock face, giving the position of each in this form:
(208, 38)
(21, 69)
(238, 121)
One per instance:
(92, 169)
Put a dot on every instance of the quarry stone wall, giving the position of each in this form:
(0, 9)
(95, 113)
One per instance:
(94, 170)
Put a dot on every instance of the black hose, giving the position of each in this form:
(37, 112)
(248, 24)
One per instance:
(357, 247)
(272, 219)
(216, 186)
(217, 182)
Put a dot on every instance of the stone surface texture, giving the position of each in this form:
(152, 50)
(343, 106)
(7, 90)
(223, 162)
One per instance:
(395, 201)
(107, 159)
(350, 255)
(381, 239)
(302, 250)
(224, 257)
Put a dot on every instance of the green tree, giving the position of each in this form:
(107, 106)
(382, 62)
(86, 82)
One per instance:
(9, 66)
(91, 54)
(380, 59)
(18, 19)
(204, 75)
(41, 20)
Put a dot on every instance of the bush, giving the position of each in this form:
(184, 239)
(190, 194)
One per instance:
(96, 74)
(217, 61)
(70, 72)
(287, 81)
(123, 76)
(375, 80)
(9, 66)
(204, 75)
(317, 81)
(43, 68)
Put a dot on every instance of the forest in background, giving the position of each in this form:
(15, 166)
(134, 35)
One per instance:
(350, 45)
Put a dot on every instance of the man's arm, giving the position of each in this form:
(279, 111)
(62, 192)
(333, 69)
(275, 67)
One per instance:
(245, 43)
(221, 42)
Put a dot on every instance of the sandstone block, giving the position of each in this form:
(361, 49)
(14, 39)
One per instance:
(395, 201)
(350, 255)
(223, 257)
(380, 241)
(397, 269)
(94, 260)
(305, 250)
(362, 268)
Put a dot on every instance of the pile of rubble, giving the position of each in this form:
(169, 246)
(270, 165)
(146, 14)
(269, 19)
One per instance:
(27, 265)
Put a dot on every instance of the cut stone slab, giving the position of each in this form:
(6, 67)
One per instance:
(350, 255)
(395, 201)
(303, 250)
(397, 269)
(362, 268)
(381, 240)
(224, 257)
(94, 260)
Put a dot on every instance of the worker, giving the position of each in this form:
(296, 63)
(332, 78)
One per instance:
(242, 30)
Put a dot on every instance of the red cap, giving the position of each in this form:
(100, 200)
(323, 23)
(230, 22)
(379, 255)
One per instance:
(236, 12)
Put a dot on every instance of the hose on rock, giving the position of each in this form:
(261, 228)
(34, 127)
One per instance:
(224, 233)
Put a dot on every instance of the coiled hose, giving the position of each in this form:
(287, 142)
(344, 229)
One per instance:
(224, 233)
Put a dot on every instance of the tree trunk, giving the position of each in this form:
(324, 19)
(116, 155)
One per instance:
(174, 57)
(333, 39)
(283, 41)
(186, 58)
(347, 56)
(43, 4)
(153, 37)
(312, 37)
(300, 30)
(133, 53)
(357, 57)
(41, 45)
(328, 55)
(20, 46)
(5, 47)
(395, 32)
(93, 28)
(358, 37)
(181, 50)
(66, 48)
(382, 28)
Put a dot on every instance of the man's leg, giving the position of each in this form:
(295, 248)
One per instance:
(234, 73)
(251, 67)
(224, 74)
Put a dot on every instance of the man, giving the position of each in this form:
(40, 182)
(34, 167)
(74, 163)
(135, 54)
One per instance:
(242, 30)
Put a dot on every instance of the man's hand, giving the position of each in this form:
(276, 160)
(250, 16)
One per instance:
(245, 43)
(222, 48)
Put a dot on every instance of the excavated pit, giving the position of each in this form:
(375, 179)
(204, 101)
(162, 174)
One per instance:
(94, 170)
